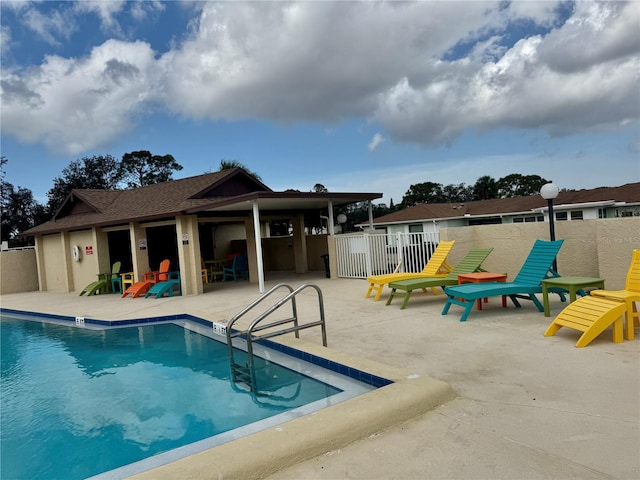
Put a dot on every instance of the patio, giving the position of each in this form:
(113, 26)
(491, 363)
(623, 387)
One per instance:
(526, 407)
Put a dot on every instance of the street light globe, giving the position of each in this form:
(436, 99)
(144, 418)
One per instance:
(342, 218)
(549, 191)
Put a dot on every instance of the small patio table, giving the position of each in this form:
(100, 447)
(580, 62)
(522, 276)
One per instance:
(482, 277)
(572, 285)
(216, 267)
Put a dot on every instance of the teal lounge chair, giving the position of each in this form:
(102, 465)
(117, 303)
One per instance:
(103, 284)
(160, 288)
(527, 283)
(470, 263)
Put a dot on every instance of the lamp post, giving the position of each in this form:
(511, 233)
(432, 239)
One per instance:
(342, 219)
(550, 191)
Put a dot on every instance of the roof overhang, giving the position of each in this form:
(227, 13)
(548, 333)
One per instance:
(283, 201)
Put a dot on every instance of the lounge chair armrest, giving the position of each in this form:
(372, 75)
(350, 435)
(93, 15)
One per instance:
(152, 276)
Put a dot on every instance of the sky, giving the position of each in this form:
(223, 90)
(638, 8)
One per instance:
(357, 96)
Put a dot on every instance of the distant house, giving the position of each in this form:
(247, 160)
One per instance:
(604, 202)
(187, 221)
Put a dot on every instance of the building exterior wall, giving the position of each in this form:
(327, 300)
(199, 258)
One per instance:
(592, 248)
(83, 272)
(599, 248)
(278, 253)
(18, 271)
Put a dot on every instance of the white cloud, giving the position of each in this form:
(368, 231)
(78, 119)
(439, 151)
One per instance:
(142, 9)
(375, 142)
(74, 105)
(5, 38)
(330, 61)
(541, 12)
(48, 27)
(106, 11)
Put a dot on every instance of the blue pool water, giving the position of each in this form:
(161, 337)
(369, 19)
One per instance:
(78, 402)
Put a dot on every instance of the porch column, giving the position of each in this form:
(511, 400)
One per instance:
(299, 244)
(101, 249)
(40, 264)
(65, 244)
(139, 254)
(189, 255)
(331, 224)
(254, 248)
(331, 244)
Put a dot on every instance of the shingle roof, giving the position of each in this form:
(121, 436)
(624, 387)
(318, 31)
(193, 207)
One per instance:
(629, 194)
(167, 199)
(229, 192)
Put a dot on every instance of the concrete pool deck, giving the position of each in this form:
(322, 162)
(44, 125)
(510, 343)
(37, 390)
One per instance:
(525, 405)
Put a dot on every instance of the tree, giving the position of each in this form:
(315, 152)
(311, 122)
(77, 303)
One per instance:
(229, 164)
(319, 188)
(427, 192)
(517, 185)
(457, 193)
(359, 213)
(19, 211)
(141, 168)
(486, 187)
(97, 172)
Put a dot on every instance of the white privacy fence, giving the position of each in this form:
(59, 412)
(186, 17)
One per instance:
(363, 255)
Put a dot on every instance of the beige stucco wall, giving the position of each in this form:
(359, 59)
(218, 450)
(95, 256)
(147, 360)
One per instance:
(22, 261)
(54, 270)
(593, 248)
(598, 248)
(278, 253)
(85, 271)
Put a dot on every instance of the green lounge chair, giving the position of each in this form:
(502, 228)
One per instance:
(103, 284)
(470, 263)
(436, 267)
(527, 283)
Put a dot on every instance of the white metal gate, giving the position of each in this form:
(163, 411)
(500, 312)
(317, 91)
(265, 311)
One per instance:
(366, 254)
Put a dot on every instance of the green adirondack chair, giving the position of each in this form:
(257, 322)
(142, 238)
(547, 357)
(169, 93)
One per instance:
(471, 262)
(103, 284)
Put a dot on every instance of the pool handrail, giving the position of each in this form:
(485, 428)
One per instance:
(253, 327)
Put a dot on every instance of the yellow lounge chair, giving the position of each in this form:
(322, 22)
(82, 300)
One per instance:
(630, 295)
(591, 316)
(436, 267)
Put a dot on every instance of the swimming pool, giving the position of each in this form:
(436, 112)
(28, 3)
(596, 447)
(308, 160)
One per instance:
(115, 397)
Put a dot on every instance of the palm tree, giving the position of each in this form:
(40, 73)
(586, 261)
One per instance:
(229, 164)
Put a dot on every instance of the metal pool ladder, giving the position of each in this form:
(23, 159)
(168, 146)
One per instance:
(246, 373)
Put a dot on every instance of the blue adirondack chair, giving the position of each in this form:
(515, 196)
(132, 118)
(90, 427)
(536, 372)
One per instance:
(527, 283)
(238, 269)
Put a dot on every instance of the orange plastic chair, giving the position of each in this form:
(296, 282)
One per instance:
(150, 278)
(630, 295)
